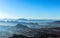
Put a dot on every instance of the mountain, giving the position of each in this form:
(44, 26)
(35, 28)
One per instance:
(57, 21)
(20, 26)
(22, 19)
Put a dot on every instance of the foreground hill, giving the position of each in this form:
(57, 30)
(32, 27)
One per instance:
(8, 31)
(23, 31)
(53, 32)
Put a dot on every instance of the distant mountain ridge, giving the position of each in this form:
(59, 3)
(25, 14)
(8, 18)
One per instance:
(22, 19)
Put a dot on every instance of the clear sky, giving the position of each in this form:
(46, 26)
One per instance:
(35, 9)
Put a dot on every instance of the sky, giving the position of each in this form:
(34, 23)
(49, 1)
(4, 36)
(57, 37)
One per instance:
(30, 9)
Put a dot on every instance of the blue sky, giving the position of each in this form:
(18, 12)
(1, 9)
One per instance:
(35, 9)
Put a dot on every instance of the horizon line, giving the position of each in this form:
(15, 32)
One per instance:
(33, 18)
